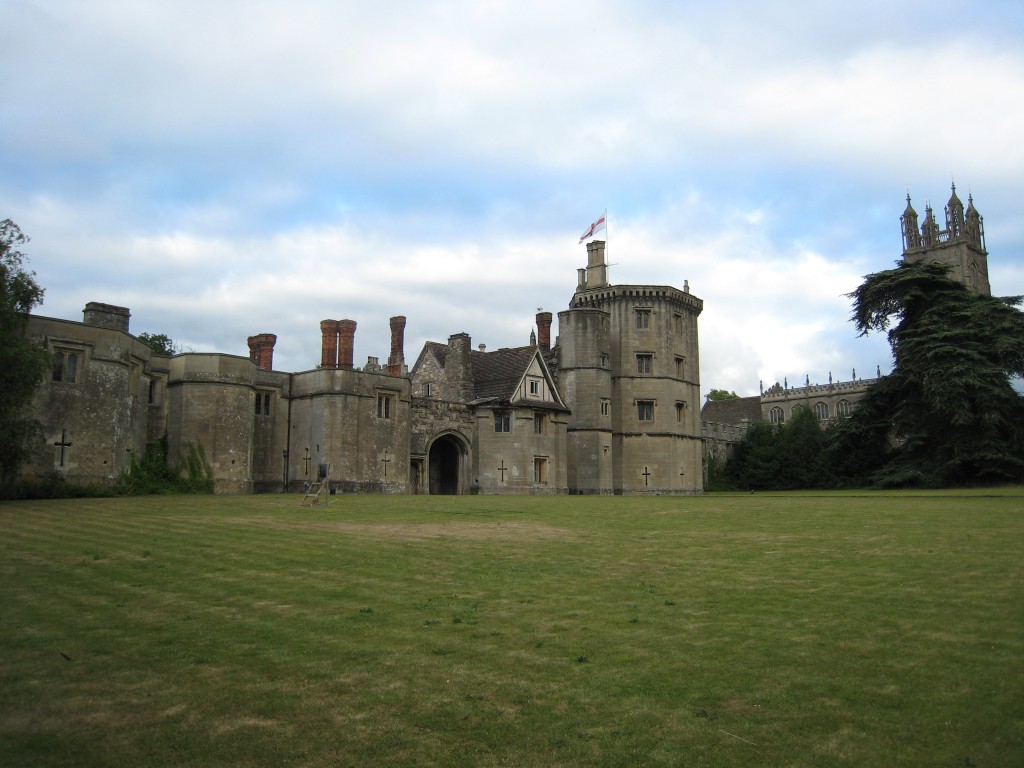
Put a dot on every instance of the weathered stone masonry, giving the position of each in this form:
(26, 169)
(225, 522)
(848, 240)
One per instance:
(608, 408)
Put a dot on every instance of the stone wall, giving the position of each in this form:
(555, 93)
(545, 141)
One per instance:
(211, 403)
(356, 421)
(94, 407)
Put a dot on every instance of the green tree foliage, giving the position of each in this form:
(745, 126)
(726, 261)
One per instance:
(948, 413)
(160, 343)
(782, 457)
(23, 364)
(721, 394)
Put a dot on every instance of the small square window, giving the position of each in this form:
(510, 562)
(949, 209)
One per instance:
(644, 363)
(645, 410)
(643, 318)
(385, 406)
(65, 366)
(502, 421)
(262, 403)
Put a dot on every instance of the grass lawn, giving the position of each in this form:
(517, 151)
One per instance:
(867, 629)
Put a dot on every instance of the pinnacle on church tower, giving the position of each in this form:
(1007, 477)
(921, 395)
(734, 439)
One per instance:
(972, 225)
(961, 244)
(954, 215)
(930, 228)
(908, 221)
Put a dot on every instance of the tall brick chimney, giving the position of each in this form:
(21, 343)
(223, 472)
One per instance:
(346, 342)
(544, 330)
(329, 346)
(261, 350)
(396, 361)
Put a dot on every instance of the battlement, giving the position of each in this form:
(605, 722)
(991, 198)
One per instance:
(779, 392)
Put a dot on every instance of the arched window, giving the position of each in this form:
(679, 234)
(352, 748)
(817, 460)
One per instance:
(843, 408)
(777, 415)
(821, 411)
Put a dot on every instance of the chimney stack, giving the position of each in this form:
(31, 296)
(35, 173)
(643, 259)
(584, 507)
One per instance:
(597, 270)
(544, 330)
(458, 367)
(106, 316)
(329, 347)
(346, 342)
(396, 362)
(261, 350)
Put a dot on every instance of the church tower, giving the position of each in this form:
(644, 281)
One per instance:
(961, 244)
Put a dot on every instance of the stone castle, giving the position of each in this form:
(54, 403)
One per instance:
(610, 408)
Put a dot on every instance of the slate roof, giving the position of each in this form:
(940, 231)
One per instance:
(732, 411)
(497, 374)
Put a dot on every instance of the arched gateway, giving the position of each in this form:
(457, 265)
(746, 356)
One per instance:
(446, 466)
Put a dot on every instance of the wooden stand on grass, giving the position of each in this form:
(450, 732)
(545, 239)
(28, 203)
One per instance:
(322, 485)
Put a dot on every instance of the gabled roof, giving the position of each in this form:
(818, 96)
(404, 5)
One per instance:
(438, 351)
(497, 374)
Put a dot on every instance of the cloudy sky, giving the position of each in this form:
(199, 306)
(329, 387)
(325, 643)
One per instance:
(228, 168)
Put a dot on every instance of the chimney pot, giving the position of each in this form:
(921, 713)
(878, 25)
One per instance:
(544, 330)
(346, 342)
(396, 361)
(329, 347)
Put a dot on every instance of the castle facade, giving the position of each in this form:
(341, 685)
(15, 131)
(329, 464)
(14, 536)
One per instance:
(609, 408)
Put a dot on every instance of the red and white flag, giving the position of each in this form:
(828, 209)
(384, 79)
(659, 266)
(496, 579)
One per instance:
(601, 225)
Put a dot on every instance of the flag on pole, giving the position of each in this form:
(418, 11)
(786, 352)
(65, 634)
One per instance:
(601, 225)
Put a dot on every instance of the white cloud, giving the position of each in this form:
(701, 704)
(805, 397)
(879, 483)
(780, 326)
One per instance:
(232, 168)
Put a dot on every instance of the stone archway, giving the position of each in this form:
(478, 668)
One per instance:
(446, 466)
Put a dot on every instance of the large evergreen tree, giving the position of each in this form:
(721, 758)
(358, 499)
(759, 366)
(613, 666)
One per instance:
(22, 363)
(781, 457)
(948, 413)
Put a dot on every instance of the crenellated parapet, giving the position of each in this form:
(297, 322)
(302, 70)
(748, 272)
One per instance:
(836, 399)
